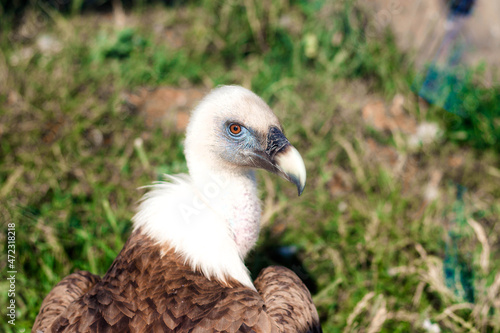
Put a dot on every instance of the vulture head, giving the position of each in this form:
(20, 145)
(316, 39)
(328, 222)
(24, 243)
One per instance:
(233, 131)
(211, 217)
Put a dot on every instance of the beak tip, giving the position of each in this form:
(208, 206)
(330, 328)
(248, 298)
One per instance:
(300, 190)
(300, 187)
(299, 180)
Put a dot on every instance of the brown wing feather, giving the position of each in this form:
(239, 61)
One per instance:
(288, 301)
(64, 293)
(149, 288)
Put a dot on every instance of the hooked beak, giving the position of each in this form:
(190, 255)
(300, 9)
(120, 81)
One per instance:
(286, 159)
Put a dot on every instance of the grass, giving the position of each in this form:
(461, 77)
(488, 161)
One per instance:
(380, 251)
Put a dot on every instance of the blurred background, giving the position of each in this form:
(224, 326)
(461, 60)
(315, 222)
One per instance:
(394, 105)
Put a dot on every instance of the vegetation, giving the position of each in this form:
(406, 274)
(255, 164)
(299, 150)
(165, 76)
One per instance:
(395, 232)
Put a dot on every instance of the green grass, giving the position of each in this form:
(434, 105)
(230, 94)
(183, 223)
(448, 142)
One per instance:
(376, 250)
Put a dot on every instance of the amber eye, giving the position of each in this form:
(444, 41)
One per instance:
(235, 129)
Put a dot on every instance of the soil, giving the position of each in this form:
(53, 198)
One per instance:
(420, 26)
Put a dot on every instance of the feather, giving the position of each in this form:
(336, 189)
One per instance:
(181, 300)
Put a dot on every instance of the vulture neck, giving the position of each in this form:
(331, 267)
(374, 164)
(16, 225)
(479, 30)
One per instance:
(211, 219)
(232, 196)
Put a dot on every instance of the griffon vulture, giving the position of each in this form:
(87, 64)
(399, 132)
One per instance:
(182, 268)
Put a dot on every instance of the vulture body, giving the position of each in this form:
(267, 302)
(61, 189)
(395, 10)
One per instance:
(182, 268)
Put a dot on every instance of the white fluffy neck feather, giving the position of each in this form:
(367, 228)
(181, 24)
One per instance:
(212, 224)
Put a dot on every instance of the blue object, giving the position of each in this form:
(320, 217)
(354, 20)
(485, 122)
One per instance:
(441, 86)
(457, 267)
(461, 7)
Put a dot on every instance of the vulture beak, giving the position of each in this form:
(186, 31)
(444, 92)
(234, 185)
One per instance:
(285, 159)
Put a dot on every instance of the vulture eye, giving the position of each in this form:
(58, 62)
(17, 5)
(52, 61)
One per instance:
(235, 129)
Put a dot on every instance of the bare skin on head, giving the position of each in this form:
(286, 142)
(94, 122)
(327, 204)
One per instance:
(182, 268)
